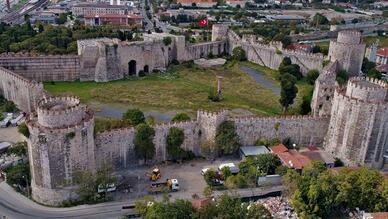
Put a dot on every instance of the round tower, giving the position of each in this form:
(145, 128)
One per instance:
(349, 51)
(219, 32)
(358, 129)
(61, 145)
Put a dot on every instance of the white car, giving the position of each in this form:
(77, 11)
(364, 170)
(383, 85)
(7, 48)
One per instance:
(231, 166)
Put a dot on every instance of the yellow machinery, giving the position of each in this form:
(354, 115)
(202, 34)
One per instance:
(155, 175)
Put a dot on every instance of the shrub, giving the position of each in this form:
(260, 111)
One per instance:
(167, 40)
(179, 117)
(237, 181)
(134, 116)
(18, 149)
(312, 75)
(23, 129)
(342, 77)
(239, 54)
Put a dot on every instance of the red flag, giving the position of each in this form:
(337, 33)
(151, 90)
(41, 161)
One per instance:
(203, 22)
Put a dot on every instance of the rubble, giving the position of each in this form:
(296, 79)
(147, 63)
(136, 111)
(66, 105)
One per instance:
(279, 207)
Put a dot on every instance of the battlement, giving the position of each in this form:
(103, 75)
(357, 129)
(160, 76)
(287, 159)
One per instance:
(366, 89)
(340, 94)
(26, 82)
(244, 119)
(60, 111)
(33, 55)
(349, 37)
(207, 114)
(303, 54)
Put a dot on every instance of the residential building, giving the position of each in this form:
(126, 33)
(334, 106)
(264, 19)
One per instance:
(236, 3)
(131, 20)
(382, 56)
(290, 158)
(198, 3)
(88, 9)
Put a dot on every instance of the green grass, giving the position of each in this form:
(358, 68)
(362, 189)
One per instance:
(183, 88)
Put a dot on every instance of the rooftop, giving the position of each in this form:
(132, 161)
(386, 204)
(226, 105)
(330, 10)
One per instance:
(253, 150)
(383, 52)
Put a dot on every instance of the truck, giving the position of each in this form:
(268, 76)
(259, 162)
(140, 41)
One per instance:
(170, 185)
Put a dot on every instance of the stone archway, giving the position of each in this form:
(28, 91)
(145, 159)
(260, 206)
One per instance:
(132, 67)
(146, 69)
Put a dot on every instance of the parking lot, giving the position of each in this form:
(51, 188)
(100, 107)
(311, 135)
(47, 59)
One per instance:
(135, 182)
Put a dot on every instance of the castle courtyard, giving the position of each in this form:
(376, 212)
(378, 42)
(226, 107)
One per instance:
(184, 88)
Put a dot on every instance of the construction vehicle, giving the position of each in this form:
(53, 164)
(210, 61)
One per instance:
(155, 174)
(171, 185)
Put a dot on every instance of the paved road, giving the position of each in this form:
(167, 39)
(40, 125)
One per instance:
(14, 205)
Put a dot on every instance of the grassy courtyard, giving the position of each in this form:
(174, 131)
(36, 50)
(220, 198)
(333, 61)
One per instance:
(183, 88)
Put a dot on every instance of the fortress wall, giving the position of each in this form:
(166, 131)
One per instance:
(355, 137)
(303, 130)
(42, 68)
(117, 146)
(202, 50)
(349, 56)
(23, 92)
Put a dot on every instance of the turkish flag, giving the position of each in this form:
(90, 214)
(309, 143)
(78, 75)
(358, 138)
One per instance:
(203, 22)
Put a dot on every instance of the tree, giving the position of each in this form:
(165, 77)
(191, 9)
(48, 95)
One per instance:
(267, 163)
(288, 90)
(373, 73)
(134, 116)
(10, 106)
(367, 65)
(144, 146)
(18, 149)
(179, 117)
(258, 211)
(312, 75)
(86, 186)
(292, 69)
(23, 129)
(319, 192)
(210, 175)
(319, 19)
(342, 77)
(225, 173)
(227, 140)
(167, 41)
(174, 140)
(179, 209)
(18, 174)
(239, 54)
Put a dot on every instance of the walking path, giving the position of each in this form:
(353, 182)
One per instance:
(261, 79)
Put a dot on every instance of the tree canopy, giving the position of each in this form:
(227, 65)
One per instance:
(318, 192)
(179, 117)
(227, 140)
(134, 116)
(174, 140)
(288, 90)
(144, 146)
(239, 54)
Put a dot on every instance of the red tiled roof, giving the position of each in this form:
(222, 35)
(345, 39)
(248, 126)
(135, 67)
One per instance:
(290, 158)
(278, 149)
(383, 52)
(378, 215)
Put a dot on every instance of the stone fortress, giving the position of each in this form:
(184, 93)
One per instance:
(349, 121)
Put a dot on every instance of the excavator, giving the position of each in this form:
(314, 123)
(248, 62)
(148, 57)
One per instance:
(155, 174)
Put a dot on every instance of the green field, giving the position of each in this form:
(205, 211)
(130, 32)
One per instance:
(183, 88)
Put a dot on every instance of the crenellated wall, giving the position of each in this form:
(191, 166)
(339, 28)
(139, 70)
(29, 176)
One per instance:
(271, 55)
(42, 68)
(302, 130)
(23, 92)
(358, 130)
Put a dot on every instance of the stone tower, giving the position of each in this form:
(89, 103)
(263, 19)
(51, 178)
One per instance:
(219, 32)
(358, 129)
(324, 91)
(349, 51)
(61, 144)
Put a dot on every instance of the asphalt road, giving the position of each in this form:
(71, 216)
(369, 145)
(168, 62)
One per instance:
(14, 205)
